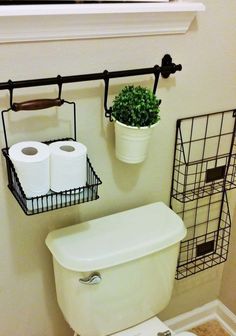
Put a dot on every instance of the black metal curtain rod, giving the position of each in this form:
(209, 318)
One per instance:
(165, 70)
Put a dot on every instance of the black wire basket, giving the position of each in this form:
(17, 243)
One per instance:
(205, 156)
(52, 200)
(208, 224)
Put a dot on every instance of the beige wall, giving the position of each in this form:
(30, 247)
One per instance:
(228, 285)
(206, 84)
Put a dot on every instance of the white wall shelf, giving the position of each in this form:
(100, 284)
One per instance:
(83, 21)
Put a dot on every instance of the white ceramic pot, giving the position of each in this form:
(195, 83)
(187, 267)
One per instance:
(132, 142)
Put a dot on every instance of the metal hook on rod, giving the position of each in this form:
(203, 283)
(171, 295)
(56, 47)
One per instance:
(156, 71)
(59, 83)
(107, 109)
(10, 83)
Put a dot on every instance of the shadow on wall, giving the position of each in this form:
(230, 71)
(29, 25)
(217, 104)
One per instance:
(30, 261)
(207, 282)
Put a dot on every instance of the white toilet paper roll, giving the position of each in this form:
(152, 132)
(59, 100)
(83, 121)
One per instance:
(68, 165)
(31, 162)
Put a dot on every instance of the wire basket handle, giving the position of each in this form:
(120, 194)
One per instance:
(37, 104)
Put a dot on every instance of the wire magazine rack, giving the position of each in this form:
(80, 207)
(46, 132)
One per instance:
(204, 170)
(52, 200)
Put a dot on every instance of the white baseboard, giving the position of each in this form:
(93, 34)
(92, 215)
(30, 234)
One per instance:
(214, 310)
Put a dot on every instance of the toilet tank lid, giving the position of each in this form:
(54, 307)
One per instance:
(116, 239)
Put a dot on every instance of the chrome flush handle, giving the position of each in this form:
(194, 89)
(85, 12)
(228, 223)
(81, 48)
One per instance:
(165, 333)
(93, 279)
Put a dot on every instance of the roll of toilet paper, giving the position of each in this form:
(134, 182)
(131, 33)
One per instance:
(68, 161)
(31, 162)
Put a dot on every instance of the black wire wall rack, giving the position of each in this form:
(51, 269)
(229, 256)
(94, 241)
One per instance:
(52, 200)
(165, 70)
(204, 170)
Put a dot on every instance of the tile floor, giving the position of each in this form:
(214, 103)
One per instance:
(211, 328)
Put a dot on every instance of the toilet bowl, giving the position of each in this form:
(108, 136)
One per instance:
(114, 274)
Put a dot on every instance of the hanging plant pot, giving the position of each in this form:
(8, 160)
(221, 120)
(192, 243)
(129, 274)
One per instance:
(132, 142)
(135, 112)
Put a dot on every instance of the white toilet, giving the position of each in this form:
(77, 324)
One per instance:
(114, 274)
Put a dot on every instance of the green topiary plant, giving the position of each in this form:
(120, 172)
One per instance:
(136, 106)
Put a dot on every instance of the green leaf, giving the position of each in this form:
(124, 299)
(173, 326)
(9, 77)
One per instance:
(136, 106)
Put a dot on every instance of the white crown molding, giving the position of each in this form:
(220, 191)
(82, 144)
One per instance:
(83, 21)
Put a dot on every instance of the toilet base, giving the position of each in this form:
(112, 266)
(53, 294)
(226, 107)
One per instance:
(150, 327)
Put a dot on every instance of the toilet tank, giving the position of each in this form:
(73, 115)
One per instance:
(134, 256)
